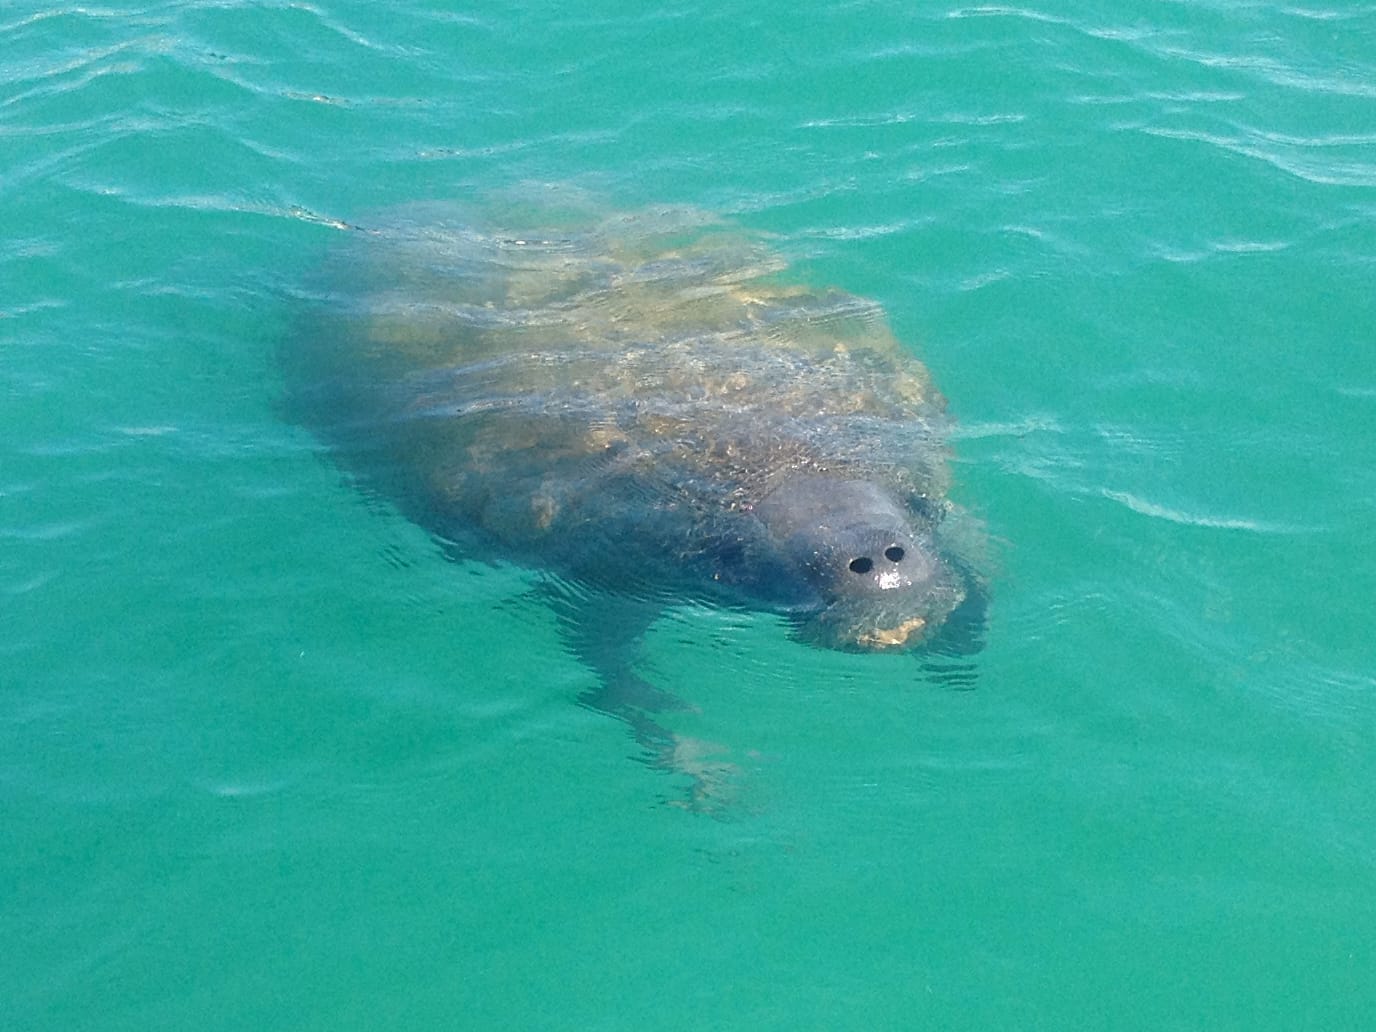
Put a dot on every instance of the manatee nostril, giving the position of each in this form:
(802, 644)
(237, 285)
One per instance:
(864, 564)
(893, 554)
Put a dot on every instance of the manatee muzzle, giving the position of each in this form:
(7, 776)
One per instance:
(875, 569)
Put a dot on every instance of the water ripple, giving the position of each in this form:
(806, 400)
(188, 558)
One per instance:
(1289, 154)
(1162, 512)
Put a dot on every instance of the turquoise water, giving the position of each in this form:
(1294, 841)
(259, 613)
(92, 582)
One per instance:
(269, 760)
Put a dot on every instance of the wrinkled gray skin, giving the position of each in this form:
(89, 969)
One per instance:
(859, 551)
(641, 404)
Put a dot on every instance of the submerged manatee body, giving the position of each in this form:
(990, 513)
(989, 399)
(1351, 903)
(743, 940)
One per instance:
(644, 404)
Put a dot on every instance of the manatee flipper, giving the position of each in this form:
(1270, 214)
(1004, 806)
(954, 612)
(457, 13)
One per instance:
(605, 633)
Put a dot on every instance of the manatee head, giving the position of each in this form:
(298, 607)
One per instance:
(872, 574)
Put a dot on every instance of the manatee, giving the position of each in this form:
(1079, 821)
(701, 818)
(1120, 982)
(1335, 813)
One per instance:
(646, 405)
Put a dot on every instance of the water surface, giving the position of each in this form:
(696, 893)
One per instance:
(269, 760)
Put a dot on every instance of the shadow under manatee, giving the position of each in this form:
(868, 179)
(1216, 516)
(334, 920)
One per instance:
(948, 660)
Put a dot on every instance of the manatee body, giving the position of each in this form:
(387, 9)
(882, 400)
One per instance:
(640, 402)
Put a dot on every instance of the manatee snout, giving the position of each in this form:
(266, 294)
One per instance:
(864, 561)
(878, 577)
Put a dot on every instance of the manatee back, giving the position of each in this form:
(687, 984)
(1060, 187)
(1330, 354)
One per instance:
(602, 393)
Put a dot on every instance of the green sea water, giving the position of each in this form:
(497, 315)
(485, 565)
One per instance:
(270, 760)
